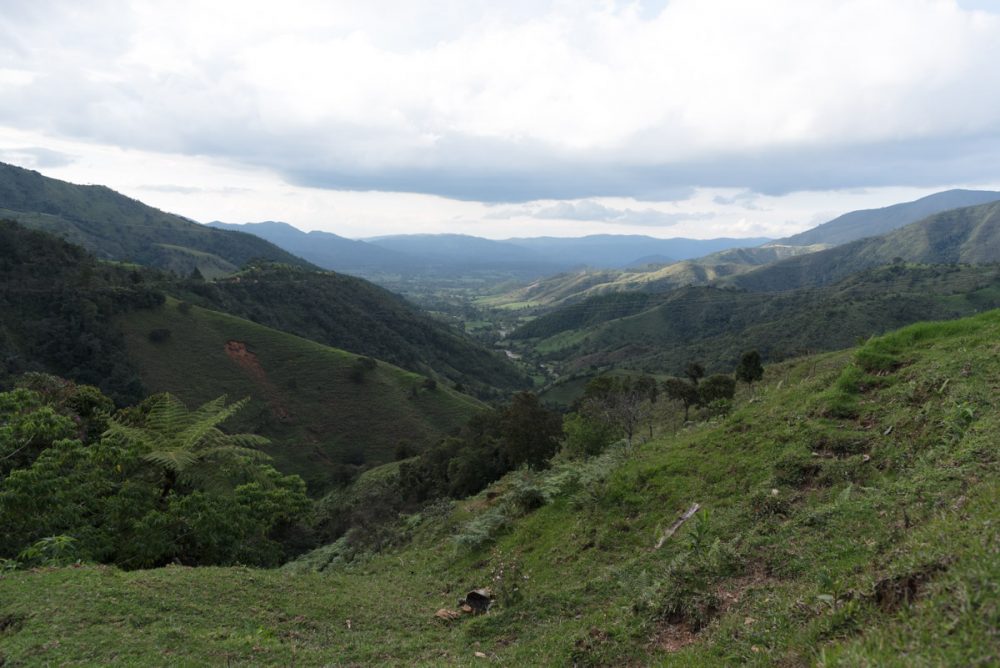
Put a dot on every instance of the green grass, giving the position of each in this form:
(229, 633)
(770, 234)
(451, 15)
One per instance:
(823, 540)
(302, 395)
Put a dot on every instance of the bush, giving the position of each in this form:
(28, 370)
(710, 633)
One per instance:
(161, 335)
(586, 437)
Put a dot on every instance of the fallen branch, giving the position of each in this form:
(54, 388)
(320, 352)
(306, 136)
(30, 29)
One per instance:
(688, 514)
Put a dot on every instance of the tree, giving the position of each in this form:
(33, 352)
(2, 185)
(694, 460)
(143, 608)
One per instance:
(619, 402)
(529, 432)
(680, 390)
(694, 371)
(188, 446)
(750, 369)
(716, 387)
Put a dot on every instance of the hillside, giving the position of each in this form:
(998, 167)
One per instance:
(970, 235)
(666, 331)
(56, 304)
(874, 222)
(350, 313)
(617, 251)
(573, 287)
(847, 517)
(323, 409)
(115, 227)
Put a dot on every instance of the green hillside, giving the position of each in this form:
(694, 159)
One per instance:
(56, 306)
(115, 227)
(664, 332)
(572, 288)
(969, 235)
(847, 517)
(351, 313)
(322, 408)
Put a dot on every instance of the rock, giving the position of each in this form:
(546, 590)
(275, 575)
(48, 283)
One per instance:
(478, 601)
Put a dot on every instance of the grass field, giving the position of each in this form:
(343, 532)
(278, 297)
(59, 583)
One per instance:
(848, 516)
(303, 395)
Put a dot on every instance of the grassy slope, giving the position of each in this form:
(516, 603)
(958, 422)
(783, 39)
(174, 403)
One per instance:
(880, 549)
(303, 398)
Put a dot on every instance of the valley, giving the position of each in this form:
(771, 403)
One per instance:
(185, 409)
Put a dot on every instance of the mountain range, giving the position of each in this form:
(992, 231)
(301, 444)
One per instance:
(460, 253)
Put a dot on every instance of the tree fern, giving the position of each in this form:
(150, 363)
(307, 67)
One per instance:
(188, 447)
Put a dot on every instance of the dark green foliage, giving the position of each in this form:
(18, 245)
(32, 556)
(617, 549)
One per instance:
(588, 435)
(715, 388)
(56, 306)
(694, 371)
(529, 433)
(750, 369)
(161, 485)
(159, 335)
(681, 391)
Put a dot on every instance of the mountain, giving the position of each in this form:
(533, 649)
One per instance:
(572, 287)
(324, 249)
(874, 222)
(115, 227)
(662, 332)
(351, 313)
(844, 513)
(461, 251)
(325, 410)
(967, 235)
(616, 251)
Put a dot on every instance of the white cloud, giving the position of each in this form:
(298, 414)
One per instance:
(467, 98)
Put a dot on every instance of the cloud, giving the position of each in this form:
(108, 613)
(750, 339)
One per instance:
(595, 211)
(35, 157)
(592, 211)
(191, 190)
(512, 102)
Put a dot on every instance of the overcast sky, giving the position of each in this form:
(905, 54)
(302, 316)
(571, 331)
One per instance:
(518, 118)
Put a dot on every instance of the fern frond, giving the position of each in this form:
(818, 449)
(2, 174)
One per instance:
(177, 461)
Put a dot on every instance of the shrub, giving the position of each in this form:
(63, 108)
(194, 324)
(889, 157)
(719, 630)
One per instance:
(160, 335)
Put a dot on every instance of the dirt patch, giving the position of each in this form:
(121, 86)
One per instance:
(893, 593)
(238, 352)
(11, 622)
(673, 637)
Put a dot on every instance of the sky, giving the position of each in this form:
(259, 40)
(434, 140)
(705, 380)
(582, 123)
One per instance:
(696, 118)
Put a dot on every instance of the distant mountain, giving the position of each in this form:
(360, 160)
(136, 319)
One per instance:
(874, 222)
(115, 227)
(323, 249)
(462, 250)
(611, 251)
(967, 235)
(571, 287)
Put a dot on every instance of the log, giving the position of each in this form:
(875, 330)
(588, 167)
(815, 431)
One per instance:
(688, 514)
